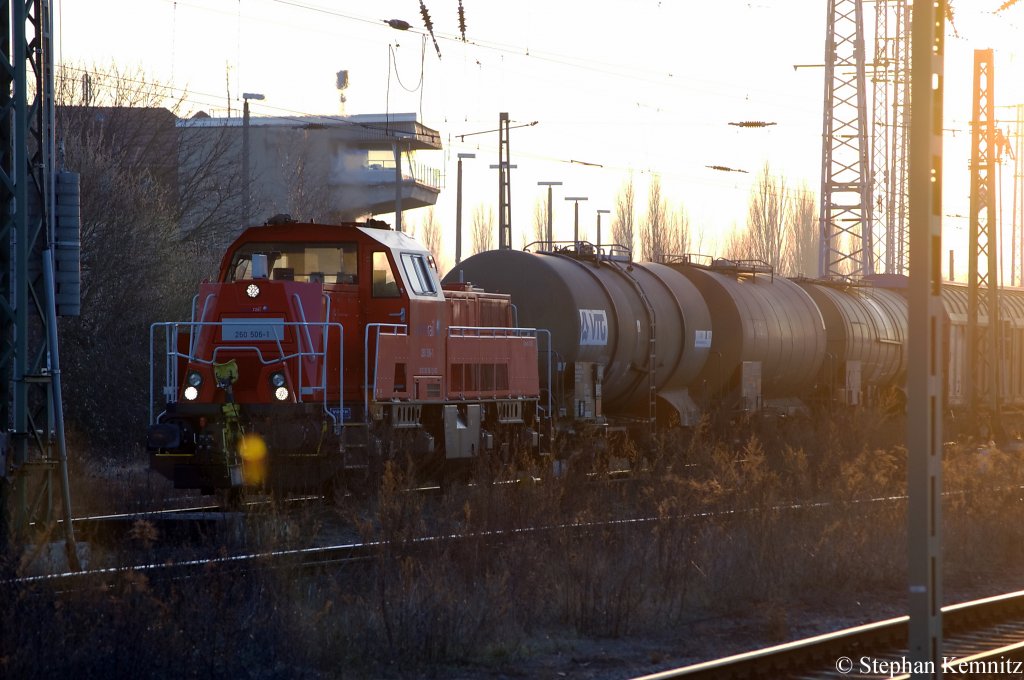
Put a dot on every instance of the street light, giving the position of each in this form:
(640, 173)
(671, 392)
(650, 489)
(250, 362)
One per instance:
(576, 222)
(599, 213)
(550, 238)
(458, 209)
(246, 179)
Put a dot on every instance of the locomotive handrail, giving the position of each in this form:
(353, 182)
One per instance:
(192, 339)
(549, 353)
(172, 355)
(309, 339)
(380, 328)
(491, 332)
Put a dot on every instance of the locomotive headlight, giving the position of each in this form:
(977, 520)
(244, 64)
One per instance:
(252, 290)
(195, 379)
(281, 393)
(277, 379)
(191, 393)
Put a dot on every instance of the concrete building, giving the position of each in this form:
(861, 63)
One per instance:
(324, 168)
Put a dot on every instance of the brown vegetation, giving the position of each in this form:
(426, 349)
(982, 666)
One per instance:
(784, 516)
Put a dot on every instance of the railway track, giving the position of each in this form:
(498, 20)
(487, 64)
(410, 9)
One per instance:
(192, 521)
(981, 638)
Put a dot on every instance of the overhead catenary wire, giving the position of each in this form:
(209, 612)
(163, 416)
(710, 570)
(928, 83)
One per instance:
(632, 73)
(207, 99)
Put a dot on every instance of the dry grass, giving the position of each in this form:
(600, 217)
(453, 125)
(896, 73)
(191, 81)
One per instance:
(776, 514)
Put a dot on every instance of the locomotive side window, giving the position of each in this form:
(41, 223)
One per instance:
(384, 283)
(418, 272)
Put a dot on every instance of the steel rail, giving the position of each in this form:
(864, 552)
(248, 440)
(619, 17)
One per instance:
(978, 631)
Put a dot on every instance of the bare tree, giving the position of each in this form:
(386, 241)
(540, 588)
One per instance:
(802, 251)
(483, 228)
(738, 244)
(623, 230)
(139, 121)
(653, 232)
(767, 218)
(117, 129)
(304, 179)
(540, 219)
(430, 235)
(678, 236)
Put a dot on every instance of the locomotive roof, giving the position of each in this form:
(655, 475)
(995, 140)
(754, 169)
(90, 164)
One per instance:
(309, 232)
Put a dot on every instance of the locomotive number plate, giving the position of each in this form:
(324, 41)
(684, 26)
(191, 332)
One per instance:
(252, 330)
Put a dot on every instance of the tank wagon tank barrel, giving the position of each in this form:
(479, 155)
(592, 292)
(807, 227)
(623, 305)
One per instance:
(602, 313)
(767, 331)
(866, 330)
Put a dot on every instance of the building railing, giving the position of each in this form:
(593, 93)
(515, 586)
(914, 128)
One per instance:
(412, 171)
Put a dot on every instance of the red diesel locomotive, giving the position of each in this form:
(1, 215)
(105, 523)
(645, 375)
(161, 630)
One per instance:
(323, 351)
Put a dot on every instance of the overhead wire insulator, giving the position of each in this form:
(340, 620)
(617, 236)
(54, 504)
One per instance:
(462, 21)
(724, 168)
(752, 124)
(429, 25)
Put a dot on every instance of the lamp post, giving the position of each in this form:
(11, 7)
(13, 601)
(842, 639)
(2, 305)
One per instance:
(398, 184)
(550, 236)
(599, 213)
(576, 221)
(246, 179)
(458, 208)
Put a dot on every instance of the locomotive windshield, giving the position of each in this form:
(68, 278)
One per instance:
(324, 262)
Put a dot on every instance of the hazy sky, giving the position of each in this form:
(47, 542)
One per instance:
(635, 86)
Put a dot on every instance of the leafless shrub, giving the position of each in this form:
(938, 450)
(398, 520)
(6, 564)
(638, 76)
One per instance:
(483, 228)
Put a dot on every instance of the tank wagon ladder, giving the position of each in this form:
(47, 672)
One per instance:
(652, 349)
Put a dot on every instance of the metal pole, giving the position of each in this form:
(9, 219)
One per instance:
(458, 213)
(58, 407)
(551, 236)
(598, 242)
(245, 163)
(576, 222)
(925, 366)
(398, 186)
(458, 209)
(246, 171)
(550, 231)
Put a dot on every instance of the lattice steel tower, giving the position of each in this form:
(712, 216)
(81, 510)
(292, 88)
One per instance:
(983, 327)
(890, 75)
(33, 460)
(504, 185)
(846, 244)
